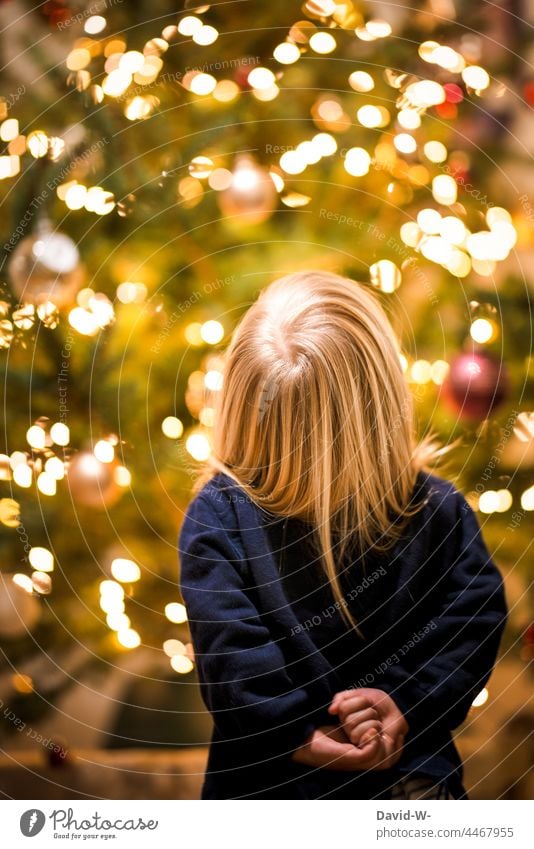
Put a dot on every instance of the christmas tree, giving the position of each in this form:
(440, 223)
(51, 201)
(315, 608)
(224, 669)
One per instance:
(158, 169)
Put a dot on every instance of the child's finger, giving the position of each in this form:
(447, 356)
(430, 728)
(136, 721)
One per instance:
(338, 698)
(352, 704)
(365, 731)
(354, 719)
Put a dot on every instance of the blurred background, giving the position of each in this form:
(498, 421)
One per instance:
(159, 166)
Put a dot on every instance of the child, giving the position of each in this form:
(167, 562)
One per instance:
(344, 609)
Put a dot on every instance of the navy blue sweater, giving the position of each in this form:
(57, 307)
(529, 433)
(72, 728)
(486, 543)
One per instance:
(271, 655)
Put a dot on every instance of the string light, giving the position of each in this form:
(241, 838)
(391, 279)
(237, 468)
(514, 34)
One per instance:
(361, 81)
(323, 43)
(125, 570)
(176, 612)
(41, 559)
(172, 427)
(286, 53)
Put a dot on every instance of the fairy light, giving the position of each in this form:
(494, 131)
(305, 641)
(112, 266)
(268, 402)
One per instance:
(453, 229)
(198, 446)
(489, 501)
(261, 78)
(286, 53)
(192, 334)
(41, 583)
(292, 162)
(226, 90)
(361, 81)
(213, 380)
(23, 581)
(116, 82)
(425, 93)
(421, 372)
(9, 129)
(357, 162)
(435, 151)
(405, 143)
(476, 77)
(117, 621)
(94, 24)
(41, 559)
(36, 437)
(372, 116)
(125, 570)
(410, 234)
(22, 475)
(444, 189)
(46, 484)
(172, 427)
(429, 221)
(212, 332)
(322, 43)
(205, 35)
(75, 196)
(496, 214)
(9, 166)
(482, 330)
(60, 433)
(436, 249)
(309, 153)
(104, 451)
(448, 59)
(131, 61)
(481, 699)
(173, 647)
(176, 612)
(325, 144)
(378, 28)
(203, 84)
(78, 58)
(181, 664)
(128, 638)
(527, 499)
(190, 25)
(439, 371)
(37, 144)
(266, 94)
(122, 476)
(409, 119)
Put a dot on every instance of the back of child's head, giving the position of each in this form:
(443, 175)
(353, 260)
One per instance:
(315, 418)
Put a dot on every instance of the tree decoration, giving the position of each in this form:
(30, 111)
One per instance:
(91, 482)
(46, 267)
(476, 385)
(19, 610)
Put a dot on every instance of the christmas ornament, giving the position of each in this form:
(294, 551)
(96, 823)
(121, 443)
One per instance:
(19, 610)
(92, 482)
(475, 385)
(45, 267)
(251, 196)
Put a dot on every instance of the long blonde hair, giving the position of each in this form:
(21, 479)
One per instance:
(315, 420)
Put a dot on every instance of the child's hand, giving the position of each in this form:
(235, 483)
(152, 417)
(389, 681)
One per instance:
(328, 747)
(357, 710)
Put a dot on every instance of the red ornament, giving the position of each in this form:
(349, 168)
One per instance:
(447, 111)
(476, 384)
(453, 93)
(528, 91)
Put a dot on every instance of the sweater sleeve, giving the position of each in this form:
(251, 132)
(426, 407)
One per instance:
(435, 683)
(242, 670)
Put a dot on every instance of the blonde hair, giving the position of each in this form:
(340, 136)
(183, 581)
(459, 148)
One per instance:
(315, 420)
